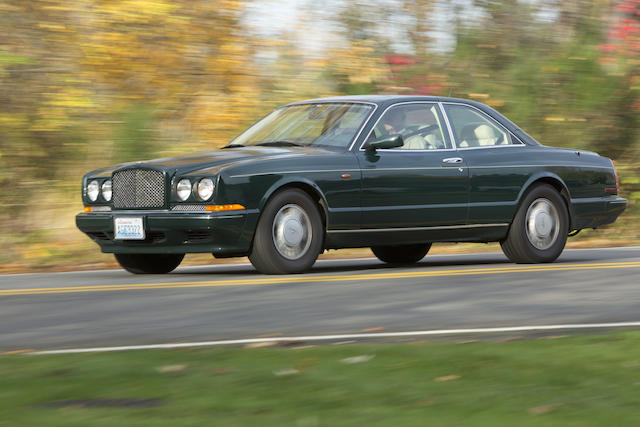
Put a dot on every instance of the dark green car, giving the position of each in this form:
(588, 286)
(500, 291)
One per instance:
(394, 173)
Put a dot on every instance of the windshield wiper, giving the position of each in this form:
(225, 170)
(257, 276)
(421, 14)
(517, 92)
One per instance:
(233, 146)
(280, 144)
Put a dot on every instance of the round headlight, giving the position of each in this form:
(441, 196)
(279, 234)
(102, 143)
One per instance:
(93, 189)
(183, 189)
(106, 190)
(205, 188)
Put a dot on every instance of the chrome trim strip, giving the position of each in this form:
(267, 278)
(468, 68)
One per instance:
(492, 146)
(406, 151)
(444, 227)
(100, 209)
(538, 166)
(410, 169)
(417, 168)
(490, 119)
(449, 128)
(300, 171)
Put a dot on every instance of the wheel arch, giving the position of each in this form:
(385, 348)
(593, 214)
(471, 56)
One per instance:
(309, 187)
(556, 182)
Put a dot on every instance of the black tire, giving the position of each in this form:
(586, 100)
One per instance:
(538, 237)
(401, 254)
(290, 215)
(149, 263)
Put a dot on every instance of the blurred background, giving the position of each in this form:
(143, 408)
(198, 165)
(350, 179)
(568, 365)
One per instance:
(84, 84)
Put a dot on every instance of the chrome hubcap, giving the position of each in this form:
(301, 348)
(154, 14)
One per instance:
(543, 224)
(292, 231)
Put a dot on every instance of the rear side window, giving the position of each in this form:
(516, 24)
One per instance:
(474, 129)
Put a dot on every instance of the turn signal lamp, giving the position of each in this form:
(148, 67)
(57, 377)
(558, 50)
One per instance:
(218, 208)
(87, 209)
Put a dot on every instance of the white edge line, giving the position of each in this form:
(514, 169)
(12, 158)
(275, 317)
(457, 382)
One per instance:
(343, 337)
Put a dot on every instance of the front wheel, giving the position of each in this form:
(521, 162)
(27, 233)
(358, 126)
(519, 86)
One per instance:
(539, 230)
(149, 263)
(401, 254)
(289, 235)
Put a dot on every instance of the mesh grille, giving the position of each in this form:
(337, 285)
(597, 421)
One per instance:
(138, 188)
(198, 208)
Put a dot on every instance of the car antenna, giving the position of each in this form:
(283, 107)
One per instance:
(451, 88)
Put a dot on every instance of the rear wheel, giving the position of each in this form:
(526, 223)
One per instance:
(401, 254)
(289, 235)
(539, 230)
(149, 263)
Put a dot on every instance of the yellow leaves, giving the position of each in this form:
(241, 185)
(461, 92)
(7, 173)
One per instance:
(54, 27)
(549, 69)
(495, 102)
(358, 62)
(13, 120)
(478, 95)
(140, 11)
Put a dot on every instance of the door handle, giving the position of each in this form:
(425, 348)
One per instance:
(452, 160)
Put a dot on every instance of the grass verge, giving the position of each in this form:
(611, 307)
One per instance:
(578, 380)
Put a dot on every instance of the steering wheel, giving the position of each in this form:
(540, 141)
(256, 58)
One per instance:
(422, 131)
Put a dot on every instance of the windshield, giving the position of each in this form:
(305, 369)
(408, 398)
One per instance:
(334, 124)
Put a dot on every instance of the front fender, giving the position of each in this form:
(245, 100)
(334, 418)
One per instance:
(292, 181)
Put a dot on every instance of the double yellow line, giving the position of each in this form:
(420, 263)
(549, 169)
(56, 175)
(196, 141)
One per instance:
(321, 278)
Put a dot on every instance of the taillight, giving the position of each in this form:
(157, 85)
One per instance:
(610, 190)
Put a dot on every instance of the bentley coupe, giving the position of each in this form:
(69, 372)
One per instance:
(393, 173)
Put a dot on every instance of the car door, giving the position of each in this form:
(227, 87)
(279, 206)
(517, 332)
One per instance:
(496, 161)
(422, 184)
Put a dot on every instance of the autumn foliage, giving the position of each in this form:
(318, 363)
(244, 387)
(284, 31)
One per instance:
(86, 83)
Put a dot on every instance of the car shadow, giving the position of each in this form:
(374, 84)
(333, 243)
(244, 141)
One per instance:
(343, 266)
(370, 264)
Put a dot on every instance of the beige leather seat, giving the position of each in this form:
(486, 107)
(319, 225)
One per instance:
(485, 135)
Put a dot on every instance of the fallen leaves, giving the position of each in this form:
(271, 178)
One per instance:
(260, 344)
(543, 409)
(447, 378)
(286, 372)
(172, 369)
(358, 359)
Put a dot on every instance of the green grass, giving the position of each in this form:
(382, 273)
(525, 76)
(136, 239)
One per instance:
(567, 381)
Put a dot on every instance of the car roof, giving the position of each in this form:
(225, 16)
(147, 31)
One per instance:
(385, 99)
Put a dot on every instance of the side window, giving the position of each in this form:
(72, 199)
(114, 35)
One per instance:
(420, 124)
(473, 129)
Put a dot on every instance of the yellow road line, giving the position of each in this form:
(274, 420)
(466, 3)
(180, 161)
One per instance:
(320, 278)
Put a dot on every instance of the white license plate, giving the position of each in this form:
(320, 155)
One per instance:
(128, 228)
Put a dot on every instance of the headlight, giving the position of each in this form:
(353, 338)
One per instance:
(205, 188)
(93, 189)
(183, 189)
(106, 190)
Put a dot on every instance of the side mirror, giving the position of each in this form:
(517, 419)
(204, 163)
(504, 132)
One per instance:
(393, 141)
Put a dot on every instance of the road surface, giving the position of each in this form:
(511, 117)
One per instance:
(218, 302)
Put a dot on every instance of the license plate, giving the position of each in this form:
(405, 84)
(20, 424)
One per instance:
(129, 228)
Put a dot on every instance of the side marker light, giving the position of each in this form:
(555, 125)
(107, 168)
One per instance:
(218, 208)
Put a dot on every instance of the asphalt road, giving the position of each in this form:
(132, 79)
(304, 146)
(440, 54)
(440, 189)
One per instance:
(112, 307)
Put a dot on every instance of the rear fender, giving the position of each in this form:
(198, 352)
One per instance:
(555, 181)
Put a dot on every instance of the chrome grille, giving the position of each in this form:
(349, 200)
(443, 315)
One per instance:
(138, 188)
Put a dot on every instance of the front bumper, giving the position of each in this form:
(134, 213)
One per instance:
(221, 233)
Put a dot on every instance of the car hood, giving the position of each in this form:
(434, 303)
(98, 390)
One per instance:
(213, 159)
